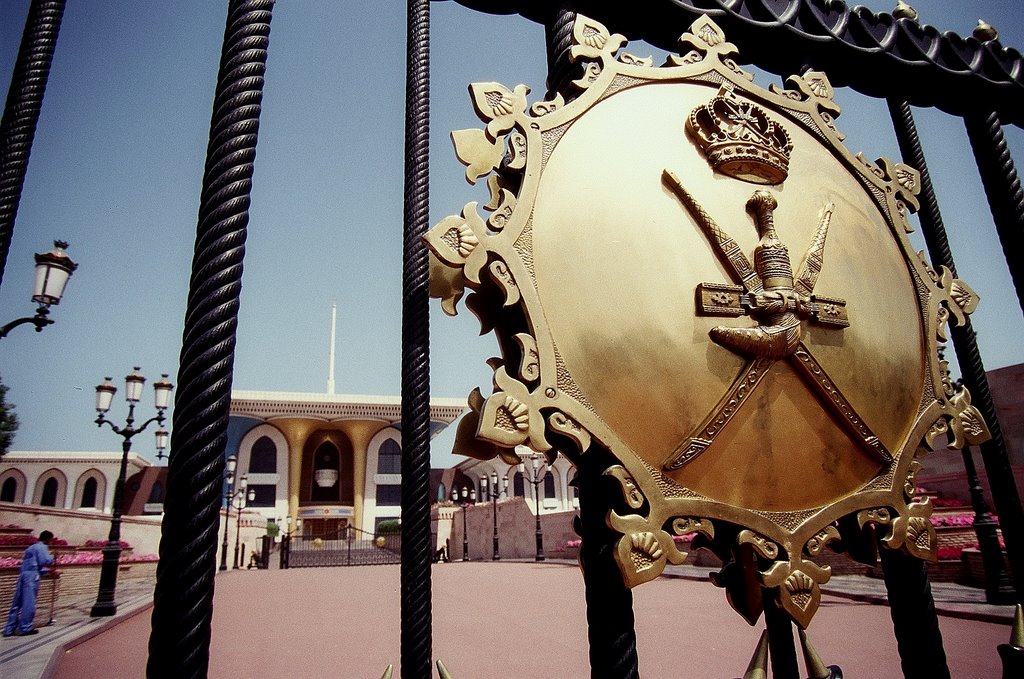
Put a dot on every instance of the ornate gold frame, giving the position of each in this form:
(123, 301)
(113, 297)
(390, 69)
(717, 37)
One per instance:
(744, 137)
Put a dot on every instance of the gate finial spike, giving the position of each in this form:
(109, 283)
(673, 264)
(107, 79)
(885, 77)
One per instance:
(985, 32)
(905, 11)
(1017, 634)
(758, 667)
(816, 668)
(388, 672)
(443, 672)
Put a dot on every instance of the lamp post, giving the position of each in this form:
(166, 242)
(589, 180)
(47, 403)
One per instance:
(53, 269)
(493, 493)
(239, 501)
(133, 383)
(468, 498)
(535, 478)
(229, 493)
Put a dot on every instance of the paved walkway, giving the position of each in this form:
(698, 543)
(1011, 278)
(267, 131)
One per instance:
(27, 657)
(500, 620)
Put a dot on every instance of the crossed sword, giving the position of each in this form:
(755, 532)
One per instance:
(780, 303)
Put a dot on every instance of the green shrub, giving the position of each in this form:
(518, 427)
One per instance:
(389, 527)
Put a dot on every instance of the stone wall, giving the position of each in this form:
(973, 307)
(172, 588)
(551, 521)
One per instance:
(75, 526)
(516, 530)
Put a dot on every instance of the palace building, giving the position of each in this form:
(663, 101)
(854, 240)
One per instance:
(320, 462)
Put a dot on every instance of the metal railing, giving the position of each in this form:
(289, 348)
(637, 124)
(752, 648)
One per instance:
(350, 547)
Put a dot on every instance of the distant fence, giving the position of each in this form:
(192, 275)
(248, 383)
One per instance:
(352, 547)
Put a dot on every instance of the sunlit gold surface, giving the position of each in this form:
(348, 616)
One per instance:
(623, 312)
(730, 306)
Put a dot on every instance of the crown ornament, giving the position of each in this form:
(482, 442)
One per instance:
(740, 140)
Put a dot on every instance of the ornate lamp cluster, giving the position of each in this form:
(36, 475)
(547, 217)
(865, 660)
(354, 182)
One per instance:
(237, 498)
(464, 498)
(133, 386)
(492, 492)
(535, 477)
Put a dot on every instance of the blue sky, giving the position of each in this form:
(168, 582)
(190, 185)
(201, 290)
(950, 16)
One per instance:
(116, 170)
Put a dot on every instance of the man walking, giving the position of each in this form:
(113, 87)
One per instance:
(23, 607)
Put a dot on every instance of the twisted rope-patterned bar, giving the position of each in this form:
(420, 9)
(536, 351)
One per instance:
(912, 609)
(21, 111)
(558, 39)
(994, 454)
(611, 626)
(416, 634)
(183, 601)
(874, 53)
(1002, 187)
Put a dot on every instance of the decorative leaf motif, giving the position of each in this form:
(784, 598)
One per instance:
(591, 72)
(510, 417)
(903, 180)
(498, 106)
(763, 545)
(629, 59)
(627, 484)
(501, 204)
(705, 38)
(456, 242)
(542, 108)
(516, 159)
(565, 425)
(967, 426)
(592, 40)
(641, 555)
(529, 366)
(502, 276)
(822, 538)
(479, 154)
(445, 283)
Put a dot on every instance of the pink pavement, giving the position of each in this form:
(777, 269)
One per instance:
(500, 620)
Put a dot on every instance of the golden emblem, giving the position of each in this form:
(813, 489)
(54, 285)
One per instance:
(637, 260)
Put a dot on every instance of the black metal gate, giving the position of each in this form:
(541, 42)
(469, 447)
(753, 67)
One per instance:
(351, 547)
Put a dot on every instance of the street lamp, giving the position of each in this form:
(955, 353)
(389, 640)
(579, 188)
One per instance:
(53, 269)
(535, 478)
(133, 383)
(239, 502)
(468, 498)
(229, 492)
(493, 493)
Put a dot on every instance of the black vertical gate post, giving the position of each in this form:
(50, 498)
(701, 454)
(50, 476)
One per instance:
(21, 110)
(1002, 188)
(914, 620)
(610, 620)
(994, 455)
(781, 646)
(558, 42)
(179, 643)
(416, 615)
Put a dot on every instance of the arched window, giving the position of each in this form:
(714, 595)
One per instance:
(49, 497)
(156, 493)
(263, 457)
(89, 493)
(518, 485)
(389, 458)
(9, 490)
(549, 486)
